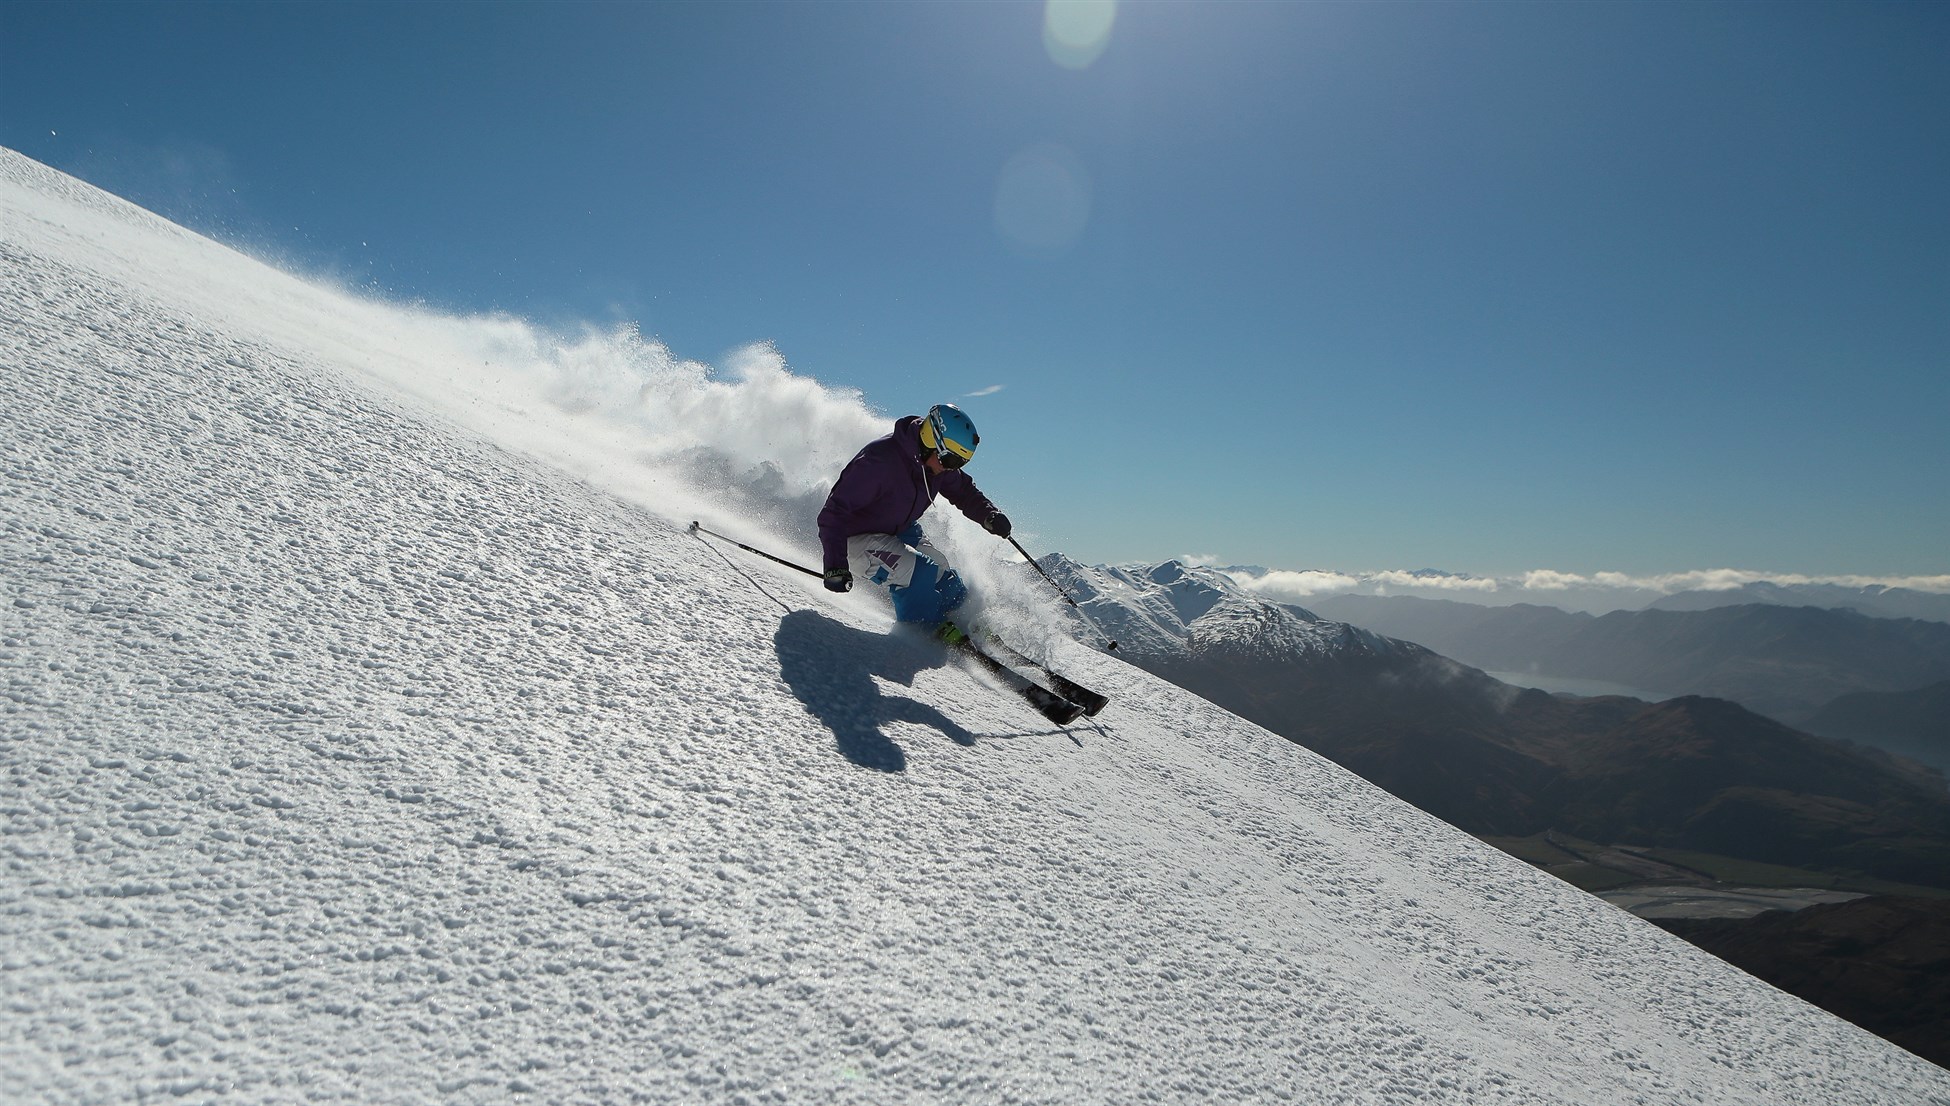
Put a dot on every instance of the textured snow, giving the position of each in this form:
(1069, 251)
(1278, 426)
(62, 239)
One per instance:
(363, 745)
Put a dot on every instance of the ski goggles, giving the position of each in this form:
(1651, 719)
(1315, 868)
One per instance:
(952, 453)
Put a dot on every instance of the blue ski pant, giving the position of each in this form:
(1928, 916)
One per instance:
(917, 577)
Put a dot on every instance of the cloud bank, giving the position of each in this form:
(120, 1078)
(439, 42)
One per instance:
(1597, 590)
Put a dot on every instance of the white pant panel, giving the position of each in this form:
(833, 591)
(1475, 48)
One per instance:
(885, 560)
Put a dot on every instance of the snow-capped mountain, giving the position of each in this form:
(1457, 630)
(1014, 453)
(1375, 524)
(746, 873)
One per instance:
(375, 731)
(1174, 607)
(1496, 760)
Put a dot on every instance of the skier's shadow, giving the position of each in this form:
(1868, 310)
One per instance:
(831, 667)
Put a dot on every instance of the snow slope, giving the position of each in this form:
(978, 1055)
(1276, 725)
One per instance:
(375, 733)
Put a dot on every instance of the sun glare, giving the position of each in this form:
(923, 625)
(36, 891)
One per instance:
(1042, 201)
(1075, 32)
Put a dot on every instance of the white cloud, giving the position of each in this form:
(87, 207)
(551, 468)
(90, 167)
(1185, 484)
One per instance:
(1718, 579)
(1283, 583)
(1439, 583)
(1545, 579)
(1300, 585)
(1313, 582)
(988, 391)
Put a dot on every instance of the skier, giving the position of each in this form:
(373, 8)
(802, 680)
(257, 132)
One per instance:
(870, 526)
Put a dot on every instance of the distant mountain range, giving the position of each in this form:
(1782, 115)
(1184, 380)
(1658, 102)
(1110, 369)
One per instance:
(1875, 601)
(1915, 724)
(1694, 772)
(1592, 594)
(1786, 662)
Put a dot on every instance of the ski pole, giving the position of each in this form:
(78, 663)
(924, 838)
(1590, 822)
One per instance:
(696, 529)
(1110, 646)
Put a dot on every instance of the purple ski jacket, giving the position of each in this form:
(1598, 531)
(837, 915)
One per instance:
(886, 488)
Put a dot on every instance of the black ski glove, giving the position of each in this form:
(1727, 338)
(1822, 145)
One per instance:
(839, 579)
(998, 524)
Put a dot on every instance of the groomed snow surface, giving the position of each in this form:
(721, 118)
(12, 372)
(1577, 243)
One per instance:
(367, 744)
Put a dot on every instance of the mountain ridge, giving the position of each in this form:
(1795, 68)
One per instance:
(1874, 600)
(1915, 723)
(1781, 661)
(1695, 772)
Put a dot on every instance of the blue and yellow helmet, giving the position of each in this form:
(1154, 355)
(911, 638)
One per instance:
(950, 434)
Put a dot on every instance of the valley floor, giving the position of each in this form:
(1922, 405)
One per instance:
(1655, 900)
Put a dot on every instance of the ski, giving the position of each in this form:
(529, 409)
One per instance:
(1091, 702)
(1046, 702)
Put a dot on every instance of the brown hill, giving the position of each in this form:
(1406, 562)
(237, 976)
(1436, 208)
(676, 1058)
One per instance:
(1710, 775)
(1692, 773)
(1915, 724)
(1882, 963)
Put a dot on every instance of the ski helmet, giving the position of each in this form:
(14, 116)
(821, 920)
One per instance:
(950, 434)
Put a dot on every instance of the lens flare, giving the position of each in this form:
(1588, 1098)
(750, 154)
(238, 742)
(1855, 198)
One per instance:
(1075, 32)
(1042, 201)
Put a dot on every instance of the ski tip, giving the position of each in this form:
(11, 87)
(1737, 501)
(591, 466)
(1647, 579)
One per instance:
(1063, 716)
(693, 526)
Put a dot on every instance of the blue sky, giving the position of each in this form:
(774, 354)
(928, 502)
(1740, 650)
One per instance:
(1485, 287)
